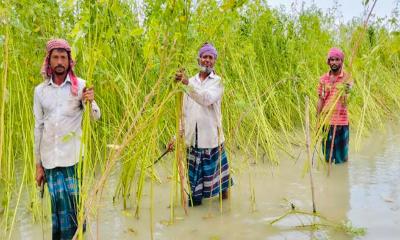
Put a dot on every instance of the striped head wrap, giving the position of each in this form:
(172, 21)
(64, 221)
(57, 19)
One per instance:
(46, 70)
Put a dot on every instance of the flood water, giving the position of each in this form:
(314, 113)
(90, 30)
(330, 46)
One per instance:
(364, 191)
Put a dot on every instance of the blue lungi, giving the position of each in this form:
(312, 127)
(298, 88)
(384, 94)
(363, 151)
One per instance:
(64, 193)
(340, 153)
(205, 176)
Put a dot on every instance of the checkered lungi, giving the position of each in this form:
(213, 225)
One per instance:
(205, 176)
(64, 193)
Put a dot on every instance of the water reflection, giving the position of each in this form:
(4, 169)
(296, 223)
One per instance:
(375, 200)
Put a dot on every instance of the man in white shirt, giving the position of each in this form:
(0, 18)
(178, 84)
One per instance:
(207, 162)
(58, 107)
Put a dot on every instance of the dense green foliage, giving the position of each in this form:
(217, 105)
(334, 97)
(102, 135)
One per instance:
(269, 61)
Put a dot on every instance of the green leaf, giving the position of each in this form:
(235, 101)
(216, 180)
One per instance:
(68, 136)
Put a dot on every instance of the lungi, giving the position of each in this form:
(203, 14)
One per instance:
(340, 153)
(208, 172)
(64, 193)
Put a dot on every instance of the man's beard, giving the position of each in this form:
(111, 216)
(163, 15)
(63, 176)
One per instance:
(59, 72)
(205, 69)
(335, 68)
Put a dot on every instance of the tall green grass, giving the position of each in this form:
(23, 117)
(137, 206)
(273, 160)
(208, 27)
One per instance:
(269, 61)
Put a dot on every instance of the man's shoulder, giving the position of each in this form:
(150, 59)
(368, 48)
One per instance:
(193, 77)
(213, 77)
(216, 76)
(81, 81)
(324, 76)
(41, 85)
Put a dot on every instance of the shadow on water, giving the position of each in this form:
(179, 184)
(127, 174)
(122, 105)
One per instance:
(364, 191)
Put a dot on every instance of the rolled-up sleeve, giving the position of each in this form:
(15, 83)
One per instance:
(208, 96)
(39, 125)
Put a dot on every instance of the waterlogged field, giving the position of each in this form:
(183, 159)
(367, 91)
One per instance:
(270, 61)
(363, 193)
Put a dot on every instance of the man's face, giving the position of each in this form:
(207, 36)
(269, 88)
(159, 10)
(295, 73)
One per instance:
(59, 61)
(207, 61)
(335, 63)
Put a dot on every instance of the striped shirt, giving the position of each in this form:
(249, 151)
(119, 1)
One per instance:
(327, 90)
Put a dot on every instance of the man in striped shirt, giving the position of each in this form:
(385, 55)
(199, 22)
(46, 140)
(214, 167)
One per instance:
(333, 90)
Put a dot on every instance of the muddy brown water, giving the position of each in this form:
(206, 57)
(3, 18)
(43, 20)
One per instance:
(365, 191)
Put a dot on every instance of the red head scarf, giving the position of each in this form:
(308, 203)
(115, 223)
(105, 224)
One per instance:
(46, 69)
(335, 52)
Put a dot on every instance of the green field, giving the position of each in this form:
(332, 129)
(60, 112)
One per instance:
(129, 51)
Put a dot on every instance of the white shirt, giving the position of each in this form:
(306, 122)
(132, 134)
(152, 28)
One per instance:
(202, 107)
(58, 120)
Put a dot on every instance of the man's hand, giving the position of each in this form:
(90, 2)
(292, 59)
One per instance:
(39, 174)
(347, 87)
(88, 94)
(180, 76)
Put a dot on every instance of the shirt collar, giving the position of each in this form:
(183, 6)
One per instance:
(211, 76)
(341, 75)
(51, 82)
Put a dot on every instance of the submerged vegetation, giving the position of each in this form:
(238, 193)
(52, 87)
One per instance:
(129, 51)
